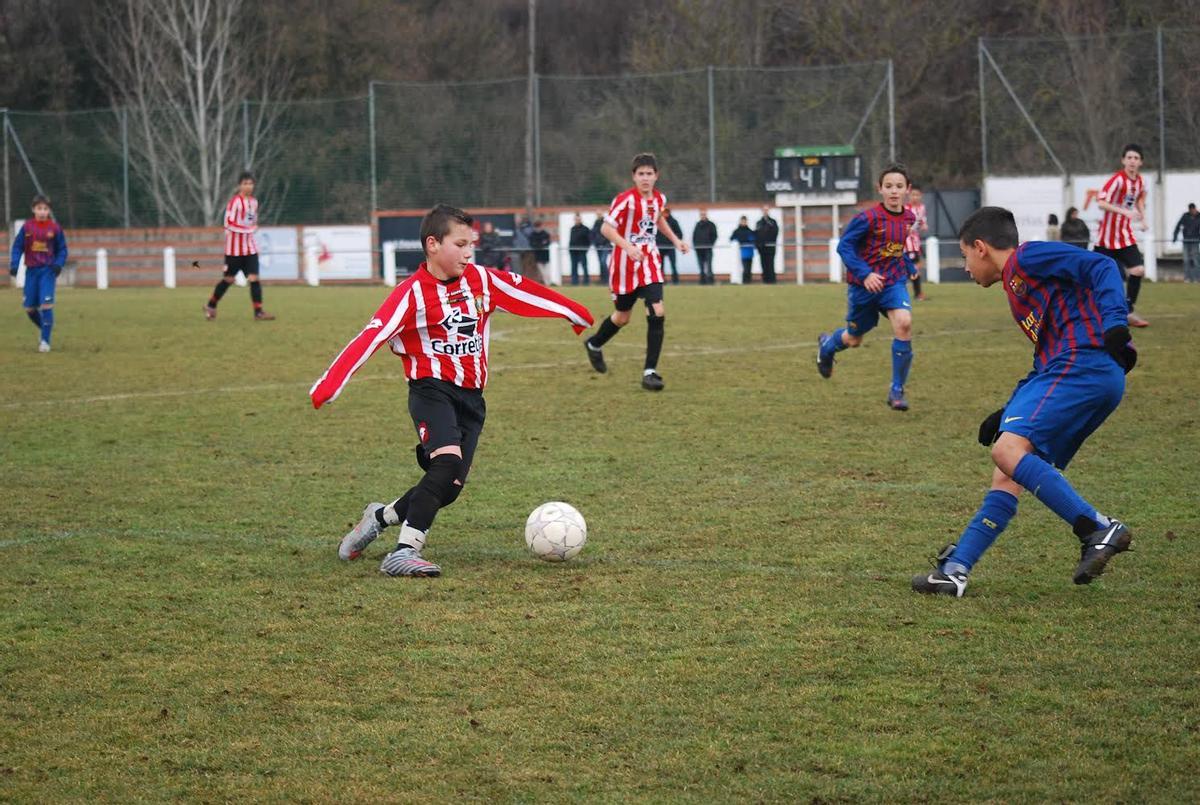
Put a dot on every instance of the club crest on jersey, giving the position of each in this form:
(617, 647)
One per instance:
(891, 249)
(1018, 285)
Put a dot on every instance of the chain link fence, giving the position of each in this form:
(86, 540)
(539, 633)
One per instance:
(1066, 105)
(410, 145)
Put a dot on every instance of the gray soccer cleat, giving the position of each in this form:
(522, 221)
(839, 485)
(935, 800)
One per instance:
(362, 535)
(1098, 547)
(408, 562)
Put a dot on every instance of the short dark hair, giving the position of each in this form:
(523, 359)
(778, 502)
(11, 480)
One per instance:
(1191, 206)
(914, 186)
(644, 159)
(437, 222)
(39, 199)
(244, 175)
(895, 167)
(1071, 210)
(995, 226)
(1134, 147)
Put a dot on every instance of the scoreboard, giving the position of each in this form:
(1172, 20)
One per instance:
(821, 174)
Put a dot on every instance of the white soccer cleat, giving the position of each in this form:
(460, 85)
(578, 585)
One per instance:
(44, 346)
(362, 535)
(408, 562)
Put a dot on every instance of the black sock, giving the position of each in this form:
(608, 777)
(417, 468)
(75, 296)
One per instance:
(654, 340)
(218, 292)
(917, 285)
(35, 316)
(604, 332)
(256, 294)
(1132, 286)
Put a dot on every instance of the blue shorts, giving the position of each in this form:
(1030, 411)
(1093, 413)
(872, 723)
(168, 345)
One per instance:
(1057, 409)
(39, 286)
(863, 312)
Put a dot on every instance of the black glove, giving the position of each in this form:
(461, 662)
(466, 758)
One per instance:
(12, 272)
(989, 428)
(1119, 344)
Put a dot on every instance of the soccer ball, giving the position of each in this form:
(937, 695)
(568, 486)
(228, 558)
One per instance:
(555, 532)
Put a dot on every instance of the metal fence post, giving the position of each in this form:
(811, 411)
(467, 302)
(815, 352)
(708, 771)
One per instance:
(125, 161)
(1162, 114)
(7, 203)
(371, 139)
(712, 139)
(245, 134)
(537, 139)
(983, 144)
(891, 79)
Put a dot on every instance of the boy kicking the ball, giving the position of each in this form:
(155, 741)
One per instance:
(877, 272)
(635, 267)
(1071, 305)
(437, 322)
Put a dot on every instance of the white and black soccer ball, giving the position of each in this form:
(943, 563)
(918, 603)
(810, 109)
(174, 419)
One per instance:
(555, 532)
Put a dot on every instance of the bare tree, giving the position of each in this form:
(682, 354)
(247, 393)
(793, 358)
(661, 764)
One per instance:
(186, 70)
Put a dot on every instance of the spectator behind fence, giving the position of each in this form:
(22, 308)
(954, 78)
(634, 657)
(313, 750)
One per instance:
(490, 252)
(745, 237)
(704, 236)
(539, 241)
(1074, 230)
(1189, 224)
(665, 247)
(603, 247)
(766, 233)
(1053, 231)
(579, 242)
(522, 248)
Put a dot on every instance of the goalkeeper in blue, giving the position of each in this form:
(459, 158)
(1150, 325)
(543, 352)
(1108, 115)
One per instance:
(1071, 304)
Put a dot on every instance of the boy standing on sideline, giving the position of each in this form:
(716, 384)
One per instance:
(1070, 304)
(915, 245)
(635, 271)
(1123, 199)
(704, 237)
(437, 322)
(877, 272)
(665, 247)
(241, 252)
(579, 242)
(766, 234)
(744, 237)
(1189, 224)
(44, 246)
(603, 247)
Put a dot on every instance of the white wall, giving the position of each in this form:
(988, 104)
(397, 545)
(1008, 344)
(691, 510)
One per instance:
(1179, 190)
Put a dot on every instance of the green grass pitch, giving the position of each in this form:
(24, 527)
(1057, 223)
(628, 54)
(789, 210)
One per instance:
(174, 623)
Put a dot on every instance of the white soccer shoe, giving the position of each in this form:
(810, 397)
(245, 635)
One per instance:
(408, 562)
(43, 346)
(362, 535)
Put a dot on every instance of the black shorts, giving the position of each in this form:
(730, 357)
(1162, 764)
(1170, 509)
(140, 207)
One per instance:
(651, 293)
(1129, 257)
(245, 263)
(445, 414)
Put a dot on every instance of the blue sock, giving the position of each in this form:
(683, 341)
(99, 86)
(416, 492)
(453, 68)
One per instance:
(47, 323)
(35, 316)
(901, 362)
(833, 343)
(992, 518)
(1050, 487)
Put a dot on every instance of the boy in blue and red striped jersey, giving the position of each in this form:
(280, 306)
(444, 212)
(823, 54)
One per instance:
(42, 243)
(1071, 305)
(877, 272)
(241, 252)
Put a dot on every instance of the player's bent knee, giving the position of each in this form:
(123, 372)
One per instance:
(620, 318)
(1137, 271)
(252, 277)
(442, 480)
(46, 307)
(853, 341)
(228, 279)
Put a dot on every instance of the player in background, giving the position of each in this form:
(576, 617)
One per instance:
(44, 246)
(1070, 304)
(877, 268)
(635, 267)
(1123, 199)
(437, 322)
(241, 252)
(915, 245)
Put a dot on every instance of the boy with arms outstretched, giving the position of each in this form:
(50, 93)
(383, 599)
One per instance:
(635, 267)
(436, 321)
(877, 272)
(1071, 305)
(241, 251)
(44, 246)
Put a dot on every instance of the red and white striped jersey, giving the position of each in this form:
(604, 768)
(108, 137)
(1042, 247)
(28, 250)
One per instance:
(636, 218)
(1116, 231)
(441, 329)
(241, 220)
(913, 242)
